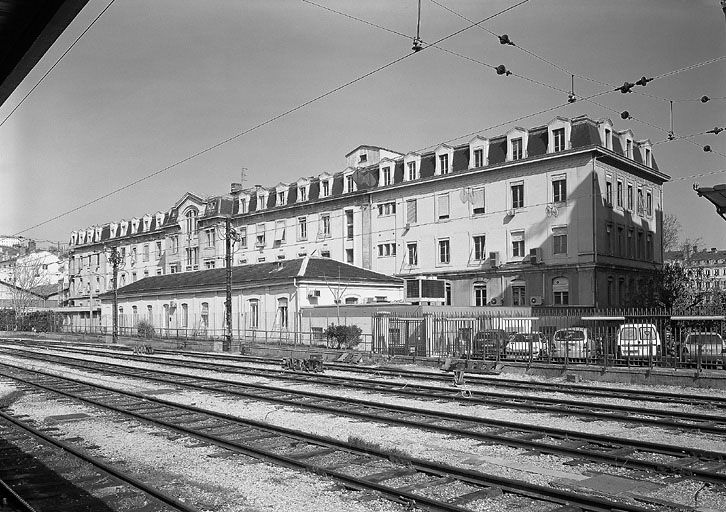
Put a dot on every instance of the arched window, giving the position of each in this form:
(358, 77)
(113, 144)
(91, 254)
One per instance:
(282, 313)
(205, 315)
(561, 291)
(254, 319)
(134, 315)
(191, 220)
(185, 315)
(150, 312)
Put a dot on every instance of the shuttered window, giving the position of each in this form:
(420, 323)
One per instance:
(443, 206)
(411, 211)
(478, 201)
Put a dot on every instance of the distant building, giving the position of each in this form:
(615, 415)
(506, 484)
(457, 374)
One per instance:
(706, 268)
(569, 213)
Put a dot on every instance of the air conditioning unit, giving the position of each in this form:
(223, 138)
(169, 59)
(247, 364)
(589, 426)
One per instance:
(313, 293)
(494, 302)
(535, 255)
(494, 259)
(536, 300)
(511, 213)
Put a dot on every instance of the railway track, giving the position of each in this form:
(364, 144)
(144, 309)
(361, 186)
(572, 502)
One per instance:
(518, 385)
(29, 484)
(711, 423)
(702, 465)
(427, 484)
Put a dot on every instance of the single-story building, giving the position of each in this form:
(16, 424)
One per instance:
(267, 298)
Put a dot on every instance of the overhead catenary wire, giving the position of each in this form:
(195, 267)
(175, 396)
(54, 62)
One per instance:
(259, 125)
(66, 52)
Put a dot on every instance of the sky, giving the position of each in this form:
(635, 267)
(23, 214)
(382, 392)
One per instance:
(153, 83)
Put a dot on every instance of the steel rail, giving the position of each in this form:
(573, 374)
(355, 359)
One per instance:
(106, 468)
(616, 444)
(711, 423)
(587, 502)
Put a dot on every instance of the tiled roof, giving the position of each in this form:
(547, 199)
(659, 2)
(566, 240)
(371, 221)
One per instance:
(273, 272)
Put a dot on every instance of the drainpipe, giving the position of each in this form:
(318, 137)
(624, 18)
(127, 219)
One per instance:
(297, 308)
(594, 235)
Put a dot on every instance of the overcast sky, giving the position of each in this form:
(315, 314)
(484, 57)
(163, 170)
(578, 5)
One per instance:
(154, 82)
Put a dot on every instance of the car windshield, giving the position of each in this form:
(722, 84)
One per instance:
(647, 333)
(705, 339)
(629, 333)
(569, 335)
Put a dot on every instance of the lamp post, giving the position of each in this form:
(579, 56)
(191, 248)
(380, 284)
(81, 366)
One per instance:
(115, 260)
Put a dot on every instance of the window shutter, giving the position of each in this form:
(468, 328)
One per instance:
(444, 205)
(411, 211)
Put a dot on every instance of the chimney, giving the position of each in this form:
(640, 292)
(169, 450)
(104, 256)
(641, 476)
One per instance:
(236, 187)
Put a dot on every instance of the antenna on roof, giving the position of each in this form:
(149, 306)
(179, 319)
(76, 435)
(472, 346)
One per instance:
(417, 47)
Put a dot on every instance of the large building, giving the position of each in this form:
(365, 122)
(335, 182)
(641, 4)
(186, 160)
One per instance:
(569, 213)
(706, 268)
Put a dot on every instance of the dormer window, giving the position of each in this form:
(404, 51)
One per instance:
(191, 220)
(98, 234)
(605, 127)
(159, 220)
(147, 223)
(647, 158)
(244, 203)
(280, 198)
(74, 237)
(113, 228)
(363, 158)
(303, 187)
(517, 149)
(124, 227)
(645, 152)
(134, 226)
(385, 173)
(558, 135)
(444, 157)
(516, 144)
(629, 148)
(348, 182)
(89, 235)
(387, 176)
(325, 184)
(262, 199)
(411, 166)
(608, 138)
(478, 152)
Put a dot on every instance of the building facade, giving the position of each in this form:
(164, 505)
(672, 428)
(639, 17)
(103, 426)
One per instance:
(706, 268)
(569, 213)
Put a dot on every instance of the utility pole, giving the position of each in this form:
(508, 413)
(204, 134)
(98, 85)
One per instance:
(115, 259)
(227, 345)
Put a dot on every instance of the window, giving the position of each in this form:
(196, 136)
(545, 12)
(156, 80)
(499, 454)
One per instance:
(621, 241)
(211, 237)
(412, 250)
(325, 224)
(260, 234)
(386, 176)
(254, 318)
(444, 252)
(477, 200)
(349, 224)
(145, 253)
(133, 257)
(173, 246)
(281, 198)
(518, 244)
(349, 184)
(631, 243)
(279, 232)
(480, 294)
(649, 204)
(326, 188)
(559, 190)
(561, 291)
(444, 163)
(609, 193)
(608, 139)
(519, 296)
(479, 157)
(387, 208)
(559, 240)
(205, 315)
(518, 195)
(191, 221)
(192, 256)
(411, 168)
(559, 139)
(242, 232)
(282, 313)
(387, 249)
(349, 256)
(609, 239)
(262, 200)
(443, 206)
(647, 157)
(302, 228)
(134, 315)
(447, 292)
(641, 202)
(479, 247)
(158, 249)
(411, 211)
(517, 148)
(185, 315)
(243, 204)
(649, 246)
(325, 254)
(630, 197)
(302, 193)
(640, 248)
(620, 194)
(629, 148)
(209, 264)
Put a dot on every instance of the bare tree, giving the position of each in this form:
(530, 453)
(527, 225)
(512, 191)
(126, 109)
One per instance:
(26, 275)
(671, 232)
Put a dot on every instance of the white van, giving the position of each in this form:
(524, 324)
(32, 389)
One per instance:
(638, 340)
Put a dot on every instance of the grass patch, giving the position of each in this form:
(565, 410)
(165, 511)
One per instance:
(394, 454)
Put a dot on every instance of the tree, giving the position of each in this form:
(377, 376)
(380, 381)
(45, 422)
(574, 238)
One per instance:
(673, 288)
(26, 275)
(344, 336)
(671, 232)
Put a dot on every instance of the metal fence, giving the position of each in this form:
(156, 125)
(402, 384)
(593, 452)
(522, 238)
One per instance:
(565, 336)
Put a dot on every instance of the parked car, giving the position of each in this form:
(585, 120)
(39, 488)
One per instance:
(575, 343)
(523, 344)
(489, 343)
(638, 340)
(711, 345)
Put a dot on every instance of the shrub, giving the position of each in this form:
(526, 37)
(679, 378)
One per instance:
(343, 336)
(145, 329)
